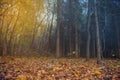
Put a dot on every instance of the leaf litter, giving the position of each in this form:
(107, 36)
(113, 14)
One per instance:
(43, 68)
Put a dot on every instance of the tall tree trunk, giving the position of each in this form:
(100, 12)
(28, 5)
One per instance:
(70, 25)
(88, 31)
(1, 40)
(58, 30)
(76, 41)
(94, 48)
(97, 34)
(118, 46)
(58, 42)
(70, 41)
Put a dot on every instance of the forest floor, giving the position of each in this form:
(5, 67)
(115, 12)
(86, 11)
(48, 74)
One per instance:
(44, 68)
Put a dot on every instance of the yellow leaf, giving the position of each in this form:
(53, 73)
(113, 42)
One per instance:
(97, 72)
(57, 69)
(21, 77)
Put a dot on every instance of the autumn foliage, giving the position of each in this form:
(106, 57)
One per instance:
(34, 68)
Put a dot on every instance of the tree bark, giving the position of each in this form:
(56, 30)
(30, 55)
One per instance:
(97, 34)
(1, 40)
(76, 41)
(88, 31)
(58, 30)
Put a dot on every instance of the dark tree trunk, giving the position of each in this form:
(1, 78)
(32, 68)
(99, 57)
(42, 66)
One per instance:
(76, 41)
(97, 34)
(88, 32)
(58, 30)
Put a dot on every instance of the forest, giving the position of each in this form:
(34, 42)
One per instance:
(59, 40)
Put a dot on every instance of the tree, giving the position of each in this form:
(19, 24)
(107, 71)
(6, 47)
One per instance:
(58, 30)
(88, 31)
(97, 34)
(77, 25)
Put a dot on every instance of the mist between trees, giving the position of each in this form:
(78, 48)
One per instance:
(60, 28)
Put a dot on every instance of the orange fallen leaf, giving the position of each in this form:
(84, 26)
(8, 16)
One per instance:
(81, 66)
(97, 72)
